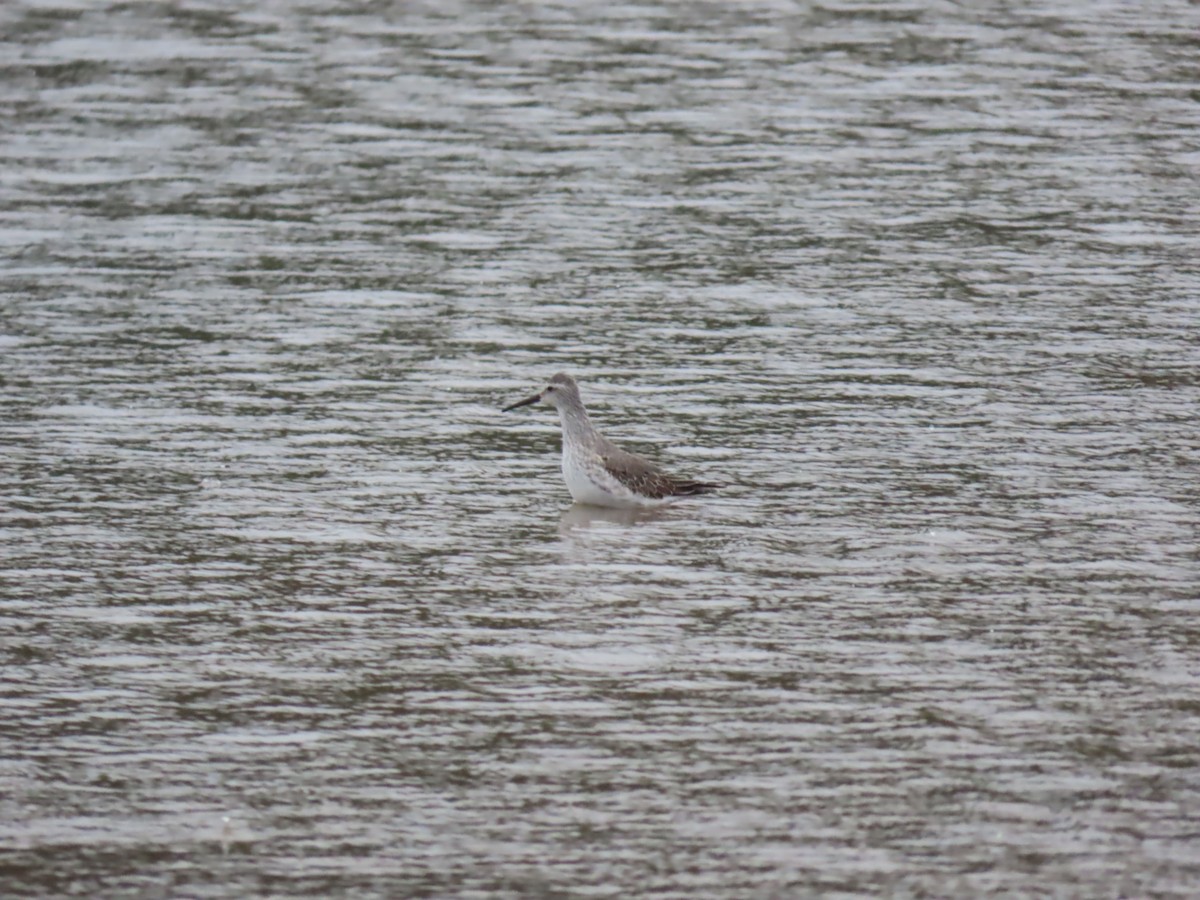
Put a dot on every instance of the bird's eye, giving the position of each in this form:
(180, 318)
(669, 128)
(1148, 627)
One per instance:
(551, 387)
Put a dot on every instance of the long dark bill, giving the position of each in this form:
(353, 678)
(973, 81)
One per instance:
(528, 400)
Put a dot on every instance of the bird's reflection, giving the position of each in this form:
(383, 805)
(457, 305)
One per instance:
(582, 515)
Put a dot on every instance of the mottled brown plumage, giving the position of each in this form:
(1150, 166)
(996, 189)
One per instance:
(643, 477)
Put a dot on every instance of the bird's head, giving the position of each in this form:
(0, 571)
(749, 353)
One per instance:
(559, 390)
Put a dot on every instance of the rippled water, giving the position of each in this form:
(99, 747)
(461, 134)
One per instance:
(289, 607)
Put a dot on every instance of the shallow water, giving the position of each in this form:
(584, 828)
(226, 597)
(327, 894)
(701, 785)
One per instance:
(289, 607)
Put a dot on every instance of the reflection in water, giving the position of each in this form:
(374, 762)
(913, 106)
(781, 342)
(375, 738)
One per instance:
(583, 516)
(284, 606)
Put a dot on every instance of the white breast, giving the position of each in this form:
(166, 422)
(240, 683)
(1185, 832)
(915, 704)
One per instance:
(589, 483)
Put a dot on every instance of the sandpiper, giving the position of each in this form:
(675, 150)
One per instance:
(596, 471)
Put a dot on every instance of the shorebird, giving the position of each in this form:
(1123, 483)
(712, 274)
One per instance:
(598, 472)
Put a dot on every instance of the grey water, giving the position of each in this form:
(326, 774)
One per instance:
(288, 607)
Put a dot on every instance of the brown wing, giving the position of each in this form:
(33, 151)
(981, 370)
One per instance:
(643, 477)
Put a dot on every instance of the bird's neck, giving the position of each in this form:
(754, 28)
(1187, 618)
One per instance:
(577, 427)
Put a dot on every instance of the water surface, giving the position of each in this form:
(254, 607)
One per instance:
(289, 607)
